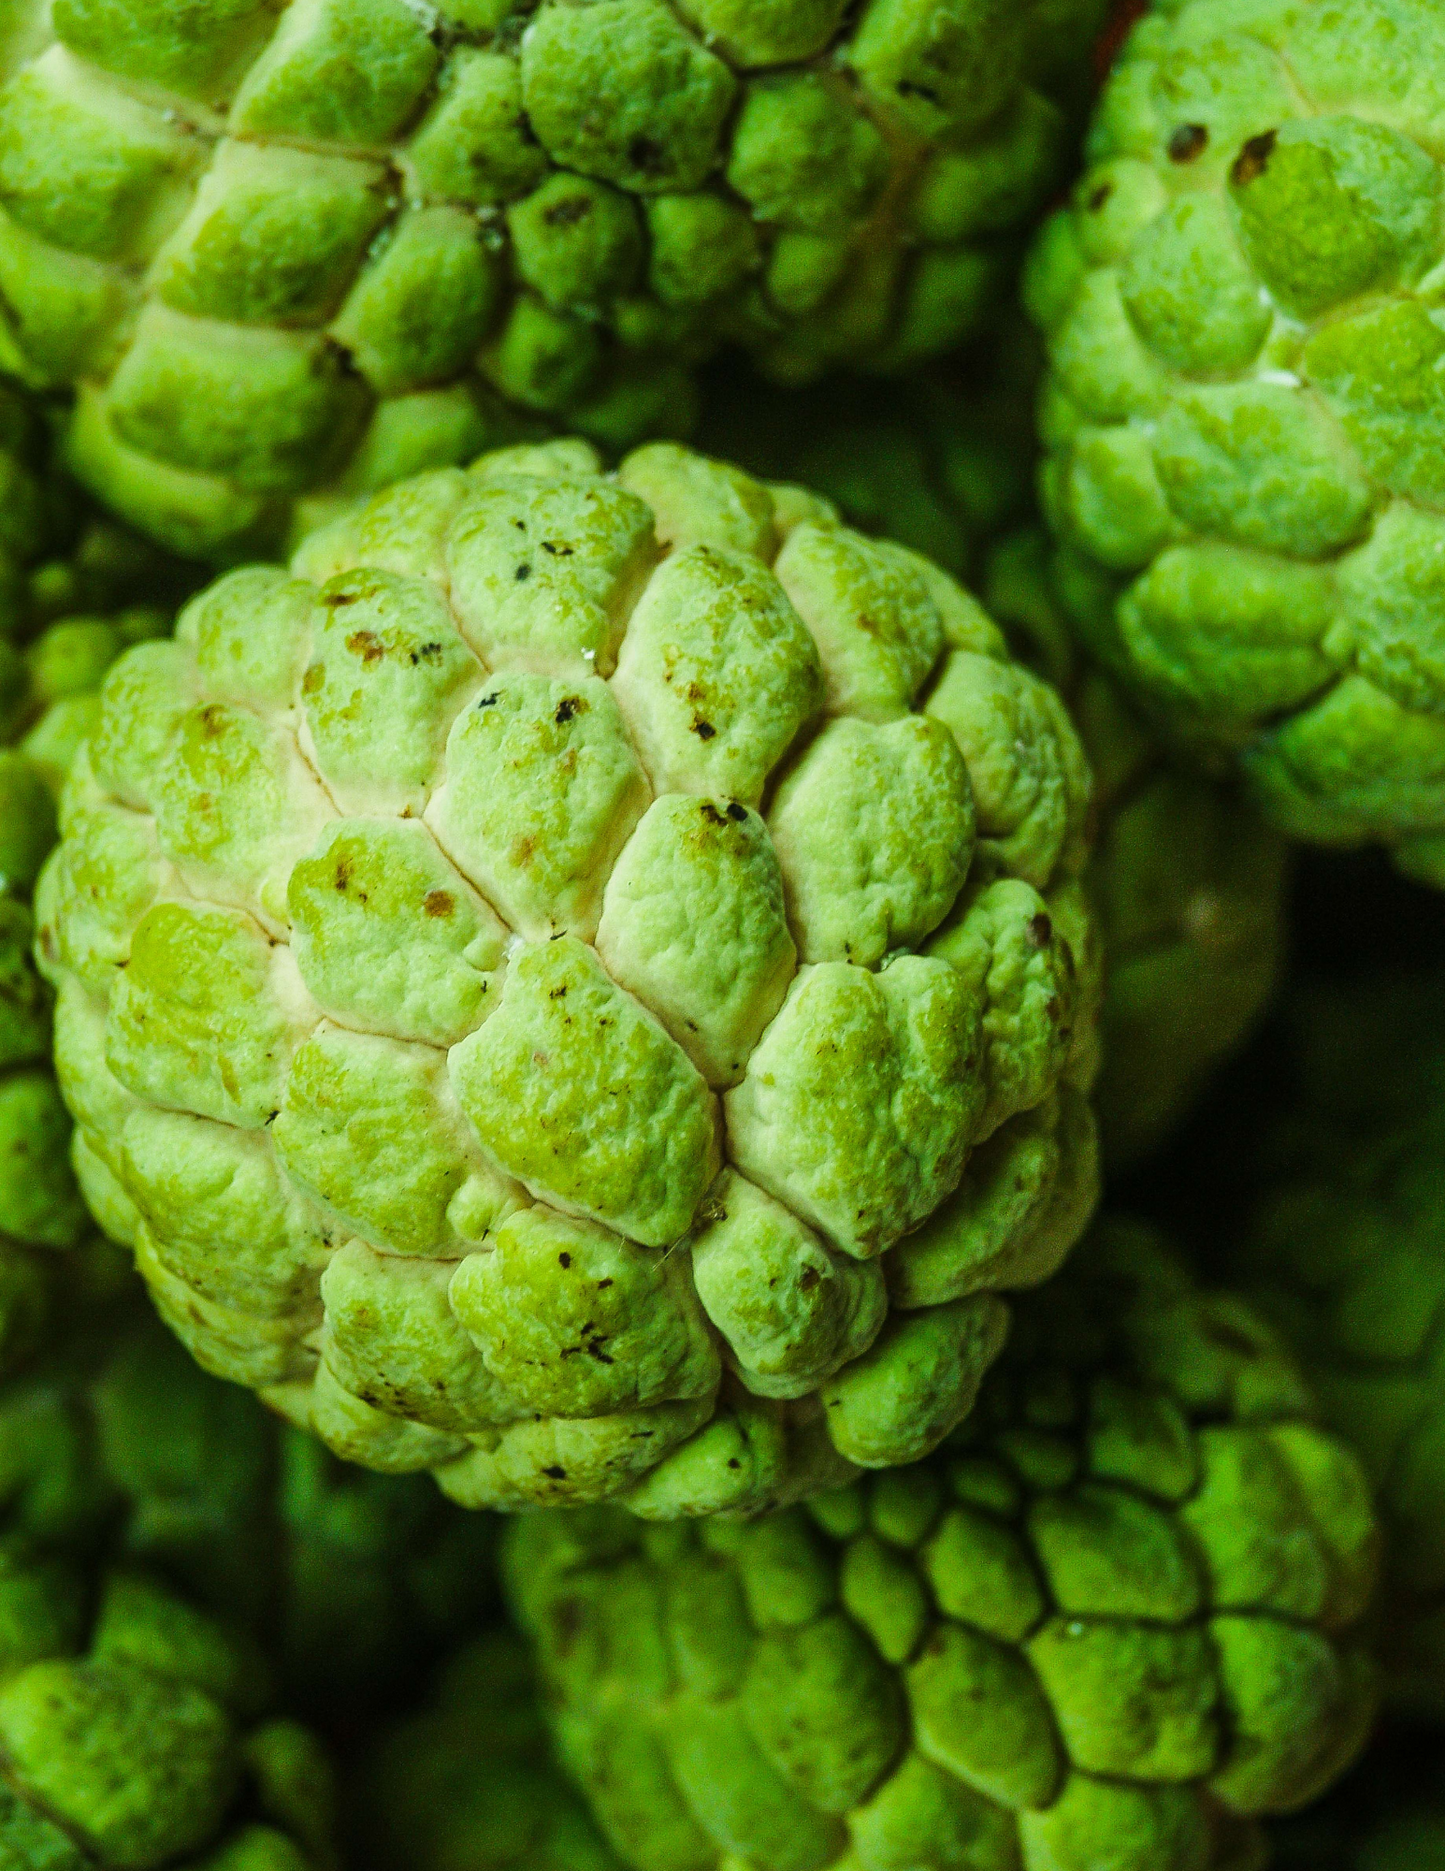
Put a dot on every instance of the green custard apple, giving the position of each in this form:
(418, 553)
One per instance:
(574, 987)
(278, 243)
(1111, 1622)
(1347, 1253)
(68, 585)
(467, 1782)
(116, 1443)
(136, 1735)
(1244, 416)
(1187, 880)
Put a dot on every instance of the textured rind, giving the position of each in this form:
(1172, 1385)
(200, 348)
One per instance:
(1344, 1254)
(1116, 1618)
(330, 243)
(397, 1145)
(69, 591)
(1241, 418)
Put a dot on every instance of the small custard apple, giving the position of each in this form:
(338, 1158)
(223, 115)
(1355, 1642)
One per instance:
(66, 585)
(574, 987)
(135, 1732)
(1244, 416)
(1347, 1254)
(117, 1443)
(1112, 1621)
(1187, 880)
(276, 243)
(467, 1783)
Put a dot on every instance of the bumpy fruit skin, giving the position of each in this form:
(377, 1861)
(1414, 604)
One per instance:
(1243, 416)
(1187, 880)
(116, 1443)
(467, 1782)
(1112, 1621)
(1345, 1253)
(574, 987)
(135, 1732)
(281, 244)
(67, 588)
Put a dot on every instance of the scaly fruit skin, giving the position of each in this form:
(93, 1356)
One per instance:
(116, 1443)
(1347, 1253)
(482, 1076)
(1112, 1621)
(467, 1783)
(1187, 881)
(278, 243)
(135, 1732)
(1244, 421)
(68, 586)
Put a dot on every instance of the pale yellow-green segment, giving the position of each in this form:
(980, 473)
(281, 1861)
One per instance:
(583, 1097)
(574, 1320)
(1031, 780)
(97, 884)
(874, 832)
(790, 1309)
(699, 502)
(693, 924)
(861, 1100)
(370, 1127)
(717, 674)
(250, 632)
(872, 615)
(143, 699)
(387, 674)
(388, 935)
(393, 1341)
(206, 1016)
(544, 573)
(402, 529)
(542, 792)
(236, 806)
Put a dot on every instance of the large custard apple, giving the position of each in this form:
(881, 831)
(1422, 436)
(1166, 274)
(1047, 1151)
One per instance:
(1245, 413)
(574, 986)
(280, 242)
(1187, 880)
(67, 585)
(467, 1781)
(136, 1732)
(116, 1443)
(1113, 1620)
(1347, 1253)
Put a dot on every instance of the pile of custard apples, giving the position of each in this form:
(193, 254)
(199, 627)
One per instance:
(722, 935)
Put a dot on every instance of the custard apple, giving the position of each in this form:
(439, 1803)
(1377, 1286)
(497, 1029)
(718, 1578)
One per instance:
(1347, 1254)
(279, 243)
(1244, 415)
(135, 1732)
(467, 1783)
(574, 987)
(1110, 1622)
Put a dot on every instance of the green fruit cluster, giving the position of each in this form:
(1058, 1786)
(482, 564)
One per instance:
(277, 245)
(1115, 1619)
(1243, 421)
(574, 988)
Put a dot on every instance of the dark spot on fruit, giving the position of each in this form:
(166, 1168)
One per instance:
(489, 701)
(1041, 930)
(367, 645)
(594, 1350)
(555, 1472)
(558, 993)
(1188, 142)
(704, 730)
(428, 653)
(1099, 196)
(343, 874)
(523, 126)
(808, 1279)
(564, 1260)
(711, 813)
(1253, 159)
(213, 720)
(569, 212)
(567, 708)
(907, 87)
(733, 1462)
(439, 903)
(522, 574)
(737, 813)
(603, 1283)
(313, 678)
(335, 600)
(557, 552)
(645, 153)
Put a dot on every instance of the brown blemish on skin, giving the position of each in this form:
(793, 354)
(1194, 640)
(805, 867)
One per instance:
(1253, 159)
(439, 903)
(367, 645)
(1040, 930)
(1188, 142)
(1099, 196)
